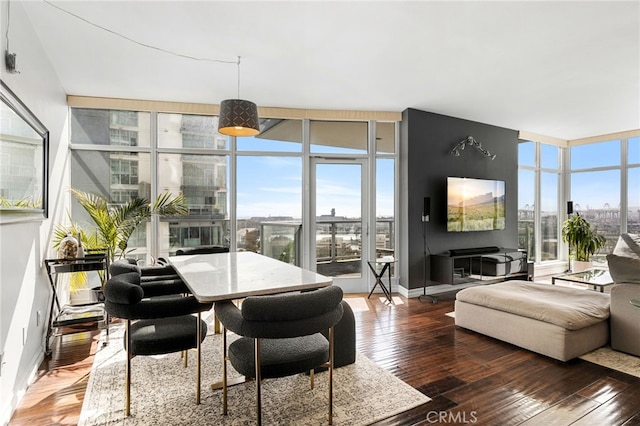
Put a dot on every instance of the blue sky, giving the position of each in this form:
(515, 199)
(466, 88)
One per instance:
(272, 186)
(589, 189)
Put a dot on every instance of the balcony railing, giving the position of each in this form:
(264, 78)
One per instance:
(338, 243)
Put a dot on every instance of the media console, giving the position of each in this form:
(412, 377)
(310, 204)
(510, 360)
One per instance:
(480, 264)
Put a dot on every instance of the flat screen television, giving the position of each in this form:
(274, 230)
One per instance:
(475, 204)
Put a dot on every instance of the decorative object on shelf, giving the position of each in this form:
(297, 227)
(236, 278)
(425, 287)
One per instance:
(238, 117)
(68, 248)
(583, 241)
(80, 253)
(470, 141)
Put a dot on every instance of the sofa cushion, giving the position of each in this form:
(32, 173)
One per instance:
(624, 269)
(624, 262)
(569, 308)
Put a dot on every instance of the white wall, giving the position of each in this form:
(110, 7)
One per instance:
(24, 287)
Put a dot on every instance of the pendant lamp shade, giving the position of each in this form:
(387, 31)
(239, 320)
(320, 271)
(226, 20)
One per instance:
(238, 118)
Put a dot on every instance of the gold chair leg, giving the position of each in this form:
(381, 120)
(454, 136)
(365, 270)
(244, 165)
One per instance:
(198, 348)
(127, 392)
(331, 375)
(224, 371)
(312, 377)
(258, 381)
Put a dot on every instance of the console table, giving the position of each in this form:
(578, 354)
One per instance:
(470, 263)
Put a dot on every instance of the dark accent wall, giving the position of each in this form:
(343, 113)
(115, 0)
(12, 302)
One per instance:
(427, 139)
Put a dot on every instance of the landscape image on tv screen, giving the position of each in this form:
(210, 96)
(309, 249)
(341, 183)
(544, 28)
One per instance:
(475, 204)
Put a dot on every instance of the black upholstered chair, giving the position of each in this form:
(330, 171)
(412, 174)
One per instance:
(344, 338)
(202, 250)
(154, 325)
(281, 336)
(156, 280)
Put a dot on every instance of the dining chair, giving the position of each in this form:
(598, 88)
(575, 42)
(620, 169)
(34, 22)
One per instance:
(154, 325)
(281, 335)
(156, 280)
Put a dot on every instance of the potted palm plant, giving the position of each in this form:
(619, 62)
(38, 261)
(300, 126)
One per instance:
(114, 223)
(583, 241)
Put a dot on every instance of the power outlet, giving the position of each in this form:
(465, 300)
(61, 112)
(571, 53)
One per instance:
(24, 335)
(38, 318)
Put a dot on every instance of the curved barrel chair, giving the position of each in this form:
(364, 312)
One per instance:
(154, 325)
(156, 280)
(281, 336)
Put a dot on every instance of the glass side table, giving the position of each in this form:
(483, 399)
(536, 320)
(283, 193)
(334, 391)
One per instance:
(596, 278)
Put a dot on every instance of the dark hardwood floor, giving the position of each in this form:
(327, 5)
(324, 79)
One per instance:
(472, 379)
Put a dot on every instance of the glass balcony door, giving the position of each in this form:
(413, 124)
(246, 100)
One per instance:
(338, 212)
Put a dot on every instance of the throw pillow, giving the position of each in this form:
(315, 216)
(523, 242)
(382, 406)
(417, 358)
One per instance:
(624, 269)
(628, 245)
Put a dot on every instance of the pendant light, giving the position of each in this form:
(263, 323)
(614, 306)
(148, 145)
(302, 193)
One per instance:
(238, 117)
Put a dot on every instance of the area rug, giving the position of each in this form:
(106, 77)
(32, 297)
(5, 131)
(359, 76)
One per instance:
(615, 360)
(163, 392)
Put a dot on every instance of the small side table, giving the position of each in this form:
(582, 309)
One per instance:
(386, 262)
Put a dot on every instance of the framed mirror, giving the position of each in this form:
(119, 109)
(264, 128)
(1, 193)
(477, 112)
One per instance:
(24, 161)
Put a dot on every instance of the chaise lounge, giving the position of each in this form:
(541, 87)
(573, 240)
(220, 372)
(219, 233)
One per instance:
(560, 322)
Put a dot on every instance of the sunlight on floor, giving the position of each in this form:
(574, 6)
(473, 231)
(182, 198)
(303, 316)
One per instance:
(396, 300)
(358, 304)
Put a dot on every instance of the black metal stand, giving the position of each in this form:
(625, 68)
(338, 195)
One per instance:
(71, 315)
(385, 290)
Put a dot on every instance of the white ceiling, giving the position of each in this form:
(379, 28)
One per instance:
(562, 69)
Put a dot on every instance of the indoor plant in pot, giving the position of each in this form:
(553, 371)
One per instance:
(113, 224)
(583, 241)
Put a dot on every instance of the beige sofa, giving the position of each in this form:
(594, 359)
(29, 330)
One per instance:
(560, 322)
(624, 266)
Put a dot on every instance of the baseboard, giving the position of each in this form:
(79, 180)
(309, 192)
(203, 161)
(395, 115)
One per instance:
(10, 403)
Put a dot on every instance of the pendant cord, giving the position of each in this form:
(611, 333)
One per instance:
(238, 77)
(132, 40)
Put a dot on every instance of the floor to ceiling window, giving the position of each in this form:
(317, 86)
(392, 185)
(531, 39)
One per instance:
(539, 189)
(605, 186)
(596, 187)
(244, 193)
(633, 185)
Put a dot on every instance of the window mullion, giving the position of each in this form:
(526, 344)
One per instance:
(155, 221)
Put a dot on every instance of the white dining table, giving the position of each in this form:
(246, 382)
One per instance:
(227, 276)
